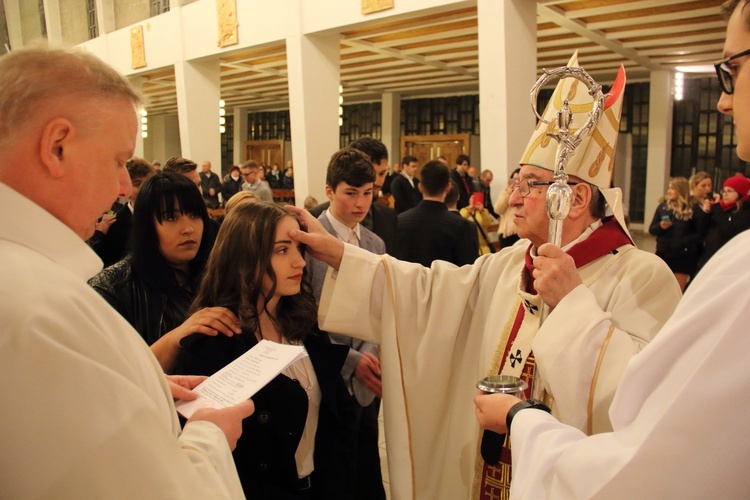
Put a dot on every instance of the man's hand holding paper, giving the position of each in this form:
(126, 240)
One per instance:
(241, 379)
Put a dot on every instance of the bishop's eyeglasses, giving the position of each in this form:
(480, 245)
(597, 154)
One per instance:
(524, 186)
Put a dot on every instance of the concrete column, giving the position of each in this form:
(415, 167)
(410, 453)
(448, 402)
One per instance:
(137, 83)
(52, 20)
(240, 135)
(391, 123)
(153, 146)
(105, 16)
(659, 159)
(198, 110)
(13, 22)
(507, 71)
(313, 66)
(163, 140)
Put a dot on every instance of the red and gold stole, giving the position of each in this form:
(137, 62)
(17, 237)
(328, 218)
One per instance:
(492, 482)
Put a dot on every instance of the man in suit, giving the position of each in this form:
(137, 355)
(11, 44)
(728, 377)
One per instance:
(380, 219)
(482, 185)
(461, 176)
(210, 185)
(253, 183)
(184, 166)
(451, 199)
(386, 189)
(112, 243)
(429, 232)
(349, 187)
(405, 186)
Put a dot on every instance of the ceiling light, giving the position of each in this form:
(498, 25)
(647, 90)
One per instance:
(703, 68)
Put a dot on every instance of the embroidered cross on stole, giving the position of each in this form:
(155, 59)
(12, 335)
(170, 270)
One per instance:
(514, 358)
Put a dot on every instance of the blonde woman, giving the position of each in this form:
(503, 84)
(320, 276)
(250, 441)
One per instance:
(240, 198)
(701, 187)
(676, 231)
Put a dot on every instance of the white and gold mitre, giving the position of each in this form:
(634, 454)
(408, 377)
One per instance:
(594, 159)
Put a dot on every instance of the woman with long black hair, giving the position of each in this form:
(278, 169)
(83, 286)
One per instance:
(155, 284)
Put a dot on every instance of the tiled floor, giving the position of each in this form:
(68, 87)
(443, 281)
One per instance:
(644, 241)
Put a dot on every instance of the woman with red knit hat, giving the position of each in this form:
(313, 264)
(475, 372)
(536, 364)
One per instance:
(727, 218)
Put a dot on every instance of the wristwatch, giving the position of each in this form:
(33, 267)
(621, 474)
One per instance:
(529, 403)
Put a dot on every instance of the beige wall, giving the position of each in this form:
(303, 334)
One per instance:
(3, 29)
(31, 25)
(74, 21)
(129, 12)
(163, 139)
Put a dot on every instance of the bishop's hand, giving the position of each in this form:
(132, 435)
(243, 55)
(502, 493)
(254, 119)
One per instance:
(555, 274)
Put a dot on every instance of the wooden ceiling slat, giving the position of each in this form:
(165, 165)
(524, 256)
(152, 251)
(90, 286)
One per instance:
(444, 41)
(255, 61)
(368, 63)
(667, 23)
(372, 68)
(161, 73)
(714, 33)
(570, 48)
(407, 24)
(436, 38)
(252, 53)
(611, 7)
(674, 43)
(456, 50)
(357, 54)
(438, 52)
(556, 38)
(391, 68)
(579, 5)
(427, 30)
(663, 10)
(714, 48)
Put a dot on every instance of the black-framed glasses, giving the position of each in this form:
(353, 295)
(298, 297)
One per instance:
(524, 186)
(724, 72)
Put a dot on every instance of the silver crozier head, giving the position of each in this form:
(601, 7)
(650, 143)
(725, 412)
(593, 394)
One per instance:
(559, 194)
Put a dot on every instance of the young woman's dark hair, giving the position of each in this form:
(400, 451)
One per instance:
(303, 425)
(240, 259)
(161, 197)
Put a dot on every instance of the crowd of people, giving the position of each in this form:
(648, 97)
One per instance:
(408, 302)
(692, 222)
